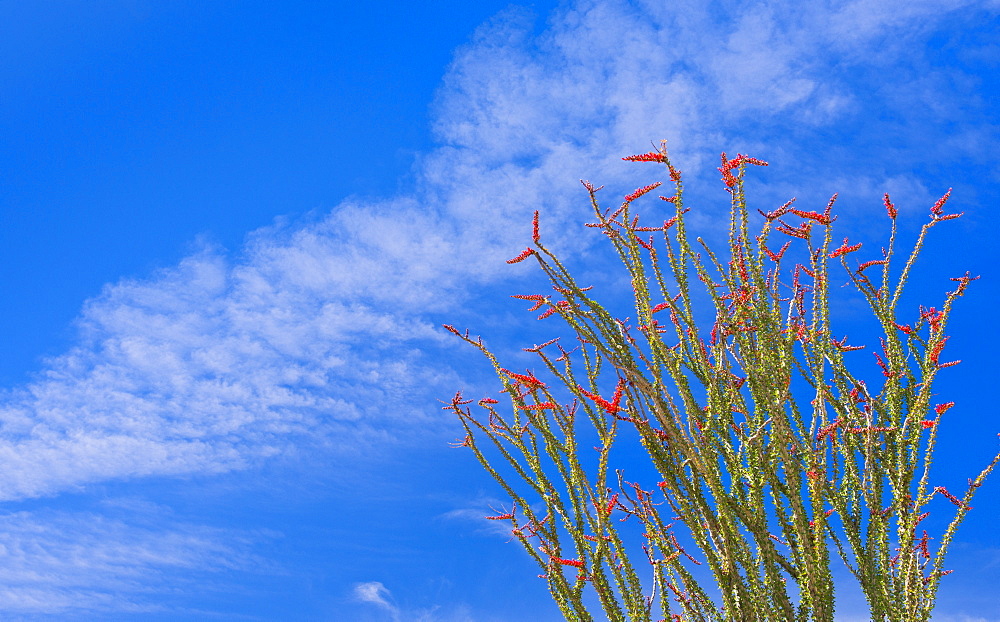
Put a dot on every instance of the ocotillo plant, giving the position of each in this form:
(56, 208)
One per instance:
(766, 480)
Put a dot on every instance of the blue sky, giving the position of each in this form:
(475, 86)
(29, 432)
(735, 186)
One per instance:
(232, 230)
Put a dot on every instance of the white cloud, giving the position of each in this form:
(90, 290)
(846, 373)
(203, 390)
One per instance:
(324, 332)
(66, 562)
(375, 593)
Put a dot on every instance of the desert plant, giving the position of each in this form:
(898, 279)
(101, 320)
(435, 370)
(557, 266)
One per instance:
(766, 480)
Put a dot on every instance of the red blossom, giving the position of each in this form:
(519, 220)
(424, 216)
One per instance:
(841, 345)
(534, 228)
(740, 159)
(822, 219)
(871, 429)
(940, 408)
(964, 280)
(777, 256)
(610, 505)
(939, 206)
(458, 401)
(675, 175)
(542, 406)
(933, 317)
(749, 160)
(611, 407)
(781, 211)
(889, 207)
(844, 249)
(828, 430)
(527, 380)
(727, 177)
(561, 305)
(528, 252)
(539, 347)
(928, 424)
(950, 497)
(672, 220)
(881, 363)
(576, 563)
(856, 393)
(802, 231)
(936, 352)
(538, 299)
(669, 199)
(652, 156)
(641, 191)
(923, 546)
(868, 264)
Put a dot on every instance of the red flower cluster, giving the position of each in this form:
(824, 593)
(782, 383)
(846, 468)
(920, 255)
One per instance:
(527, 380)
(641, 191)
(889, 207)
(611, 407)
(844, 249)
(528, 252)
(652, 156)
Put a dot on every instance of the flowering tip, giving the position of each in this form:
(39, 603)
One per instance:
(541, 406)
(889, 207)
(869, 264)
(641, 191)
(939, 205)
(527, 380)
(740, 159)
(844, 249)
(940, 408)
(675, 175)
(781, 211)
(775, 257)
(652, 156)
(950, 216)
(528, 252)
(576, 563)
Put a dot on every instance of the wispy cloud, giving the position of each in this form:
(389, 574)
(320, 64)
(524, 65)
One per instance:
(68, 562)
(375, 593)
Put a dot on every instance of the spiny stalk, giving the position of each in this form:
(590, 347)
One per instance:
(761, 479)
